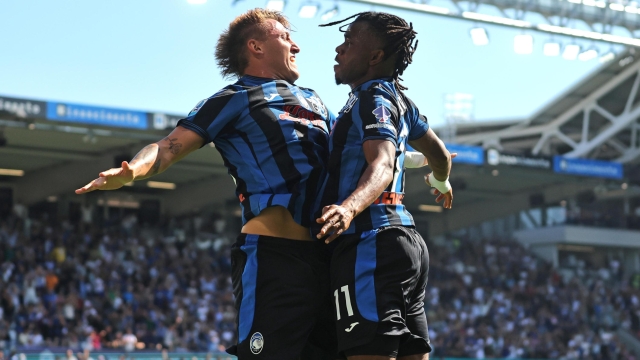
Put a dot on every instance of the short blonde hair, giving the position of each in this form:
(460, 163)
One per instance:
(231, 54)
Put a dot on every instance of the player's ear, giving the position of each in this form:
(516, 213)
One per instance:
(255, 47)
(377, 56)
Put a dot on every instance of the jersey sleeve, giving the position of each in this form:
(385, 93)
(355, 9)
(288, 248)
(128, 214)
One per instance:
(211, 115)
(377, 117)
(418, 123)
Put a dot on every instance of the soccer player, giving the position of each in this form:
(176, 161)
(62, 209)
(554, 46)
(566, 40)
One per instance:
(273, 138)
(380, 263)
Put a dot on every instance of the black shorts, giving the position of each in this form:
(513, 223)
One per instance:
(378, 281)
(281, 290)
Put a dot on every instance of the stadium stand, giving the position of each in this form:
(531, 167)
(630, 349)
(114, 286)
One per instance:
(118, 284)
(115, 285)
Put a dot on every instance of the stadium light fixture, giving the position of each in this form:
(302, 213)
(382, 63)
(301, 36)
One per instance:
(571, 52)
(479, 36)
(588, 54)
(607, 57)
(523, 44)
(196, 2)
(495, 19)
(11, 172)
(329, 13)
(275, 5)
(551, 49)
(161, 185)
(616, 7)
(504, 21)
(308, 10)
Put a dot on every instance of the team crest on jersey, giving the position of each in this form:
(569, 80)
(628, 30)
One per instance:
(382, 113)
(303, 101)
(349, 105)
(256, 343)
(317, 105)
(197, 107)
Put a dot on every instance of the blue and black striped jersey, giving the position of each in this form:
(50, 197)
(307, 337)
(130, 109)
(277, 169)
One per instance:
(375, 110)
(273, 137)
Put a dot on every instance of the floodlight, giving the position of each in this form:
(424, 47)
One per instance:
(308, 10)
(571, 52)
(631, 9)
(275, 5)
(523, 44)
(588, 55)
(196, 2)
(589, 2)
(329, 13)
(607, 57)
(479, 36)
(575, 1)
(551, 49)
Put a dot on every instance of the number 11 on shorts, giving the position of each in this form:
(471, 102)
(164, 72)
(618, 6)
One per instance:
(347, 298)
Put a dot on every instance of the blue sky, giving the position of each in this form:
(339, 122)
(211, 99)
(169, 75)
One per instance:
(158, 55)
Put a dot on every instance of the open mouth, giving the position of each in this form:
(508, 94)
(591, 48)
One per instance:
(292, 58)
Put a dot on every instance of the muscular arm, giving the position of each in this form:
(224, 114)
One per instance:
(157, 157)
(380, 155)
(436, 153)
(151, 160)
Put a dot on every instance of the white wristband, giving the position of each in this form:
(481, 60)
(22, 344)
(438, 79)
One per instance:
(442, 186)
(414, 159)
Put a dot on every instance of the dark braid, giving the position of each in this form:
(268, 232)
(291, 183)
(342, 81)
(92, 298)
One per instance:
(398, 38)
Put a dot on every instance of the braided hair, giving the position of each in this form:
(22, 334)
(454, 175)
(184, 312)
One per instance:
(396, 35)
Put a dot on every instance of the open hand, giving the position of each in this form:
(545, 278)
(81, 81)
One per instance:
(111, 179)
(337, 220)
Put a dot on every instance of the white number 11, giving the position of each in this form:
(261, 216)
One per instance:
(347, 298)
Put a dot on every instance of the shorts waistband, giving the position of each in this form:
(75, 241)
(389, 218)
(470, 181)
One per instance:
(242, 239)
(390, 198)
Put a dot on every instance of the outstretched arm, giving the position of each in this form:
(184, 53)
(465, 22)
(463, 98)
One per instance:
(380, 155)
(151, 160)
(439, 160)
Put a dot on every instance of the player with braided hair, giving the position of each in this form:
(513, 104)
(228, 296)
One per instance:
(380, 264)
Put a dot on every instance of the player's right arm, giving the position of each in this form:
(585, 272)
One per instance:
(151, 160)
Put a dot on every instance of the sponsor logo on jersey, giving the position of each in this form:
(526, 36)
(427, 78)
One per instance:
(351, 327)
(270, 97)
(317, 123)
(256, 343)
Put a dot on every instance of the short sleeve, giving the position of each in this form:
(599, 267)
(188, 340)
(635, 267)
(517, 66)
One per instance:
(211, 115)
(418, 124)
(376, 117)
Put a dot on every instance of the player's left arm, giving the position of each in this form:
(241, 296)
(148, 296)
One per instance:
(439, 160)
(380, 155)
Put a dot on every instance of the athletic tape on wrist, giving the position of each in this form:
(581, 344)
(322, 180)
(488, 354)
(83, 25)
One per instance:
(442, 186)
(414, 159)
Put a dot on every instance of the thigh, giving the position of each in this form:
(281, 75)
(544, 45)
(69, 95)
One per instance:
(373, 275)
(277, 292)
(416, 319)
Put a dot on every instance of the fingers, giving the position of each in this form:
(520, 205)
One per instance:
(327, 212)
(333, 236)
(111, 172)
(453, 155)
(125, 166)
(88, 188)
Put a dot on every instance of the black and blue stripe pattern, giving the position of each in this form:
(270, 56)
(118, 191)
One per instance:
(375, 110)
(273, 138)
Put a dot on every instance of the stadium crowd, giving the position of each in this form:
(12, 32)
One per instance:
(117, 285)
(124, 285)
